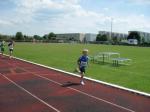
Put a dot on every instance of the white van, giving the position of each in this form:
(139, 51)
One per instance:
(132, 41)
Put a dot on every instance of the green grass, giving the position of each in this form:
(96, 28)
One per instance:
(64, 56)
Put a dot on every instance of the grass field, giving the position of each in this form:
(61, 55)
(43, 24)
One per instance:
(64, 56)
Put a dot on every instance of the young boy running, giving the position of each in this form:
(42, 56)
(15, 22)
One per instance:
(2, 47)
(11, 48)
(82, 63)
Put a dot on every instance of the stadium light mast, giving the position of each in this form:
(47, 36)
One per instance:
(111, 26)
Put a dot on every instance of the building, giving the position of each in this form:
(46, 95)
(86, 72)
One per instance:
(71, 37)
(145, 36)
(90, 37)
(111, 35)
(78, 37)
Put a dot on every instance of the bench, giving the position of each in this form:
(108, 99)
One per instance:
(124, 61)
(103, 56)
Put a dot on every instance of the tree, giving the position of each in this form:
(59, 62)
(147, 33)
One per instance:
(104, 38)
(51, 36)
(45, 37)
(98, 37)
(1, 37)
(5, 37)
(101, 37)
(134, 35)
(37, 37)
(19, 36)
(115, 40)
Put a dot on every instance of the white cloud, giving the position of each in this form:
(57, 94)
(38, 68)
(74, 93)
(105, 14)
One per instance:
(5, 23)
(27, 9)
(140, 2)
(44, 16)
(134, 22)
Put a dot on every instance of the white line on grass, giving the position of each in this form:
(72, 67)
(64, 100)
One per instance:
(50, 106)
(85, 93)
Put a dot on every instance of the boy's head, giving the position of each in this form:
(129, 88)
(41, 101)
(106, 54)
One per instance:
(85, 51)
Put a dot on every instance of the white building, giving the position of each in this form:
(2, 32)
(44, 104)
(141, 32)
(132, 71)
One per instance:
(71, 37)
(90, 37)
(79, 37)
(121, 36)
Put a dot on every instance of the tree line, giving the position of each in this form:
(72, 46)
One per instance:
(20, 37)
(116, 40)
(51, 37)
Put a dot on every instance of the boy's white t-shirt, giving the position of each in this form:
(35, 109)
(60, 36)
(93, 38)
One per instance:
(11, 46)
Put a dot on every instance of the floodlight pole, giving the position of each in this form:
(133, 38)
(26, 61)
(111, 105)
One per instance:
(111, 28)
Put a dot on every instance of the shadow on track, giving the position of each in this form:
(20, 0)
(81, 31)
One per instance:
(68, 84)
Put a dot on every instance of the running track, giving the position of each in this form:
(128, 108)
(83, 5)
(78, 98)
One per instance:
(25, 87)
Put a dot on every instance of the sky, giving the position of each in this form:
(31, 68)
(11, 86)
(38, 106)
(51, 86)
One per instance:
(73, 16)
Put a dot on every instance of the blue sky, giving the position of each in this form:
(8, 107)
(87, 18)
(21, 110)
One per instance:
(67, 16)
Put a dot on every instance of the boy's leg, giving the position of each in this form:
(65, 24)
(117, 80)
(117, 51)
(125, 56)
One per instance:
(10, 52)
(82, 75)
(2, 49)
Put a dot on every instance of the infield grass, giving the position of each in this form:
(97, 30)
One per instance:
(64, 56)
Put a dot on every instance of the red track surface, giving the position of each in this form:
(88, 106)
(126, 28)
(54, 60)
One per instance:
(25, 87)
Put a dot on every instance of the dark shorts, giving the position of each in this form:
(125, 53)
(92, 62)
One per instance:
(2, 49)
(10, 50)
(82, 69)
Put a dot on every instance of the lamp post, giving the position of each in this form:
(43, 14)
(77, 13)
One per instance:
(111, 25)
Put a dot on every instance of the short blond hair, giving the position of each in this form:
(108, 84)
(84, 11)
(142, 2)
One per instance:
(85, 51)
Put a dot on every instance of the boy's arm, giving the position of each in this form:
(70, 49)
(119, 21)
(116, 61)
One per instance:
(78, 61)
(13, 43)
(88, 62)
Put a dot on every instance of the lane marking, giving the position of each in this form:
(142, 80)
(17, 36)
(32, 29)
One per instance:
(90, 79)
(98, 81)
(81, 92)
(85, 93)
(50, 106)
(101, 82)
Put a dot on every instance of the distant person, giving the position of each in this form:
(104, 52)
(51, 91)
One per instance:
(2, 47)
(82, 64)
(11, 48)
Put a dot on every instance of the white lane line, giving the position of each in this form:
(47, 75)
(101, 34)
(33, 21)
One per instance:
(50, 106)
(86, 94)
(76, 89)
(98, 81)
